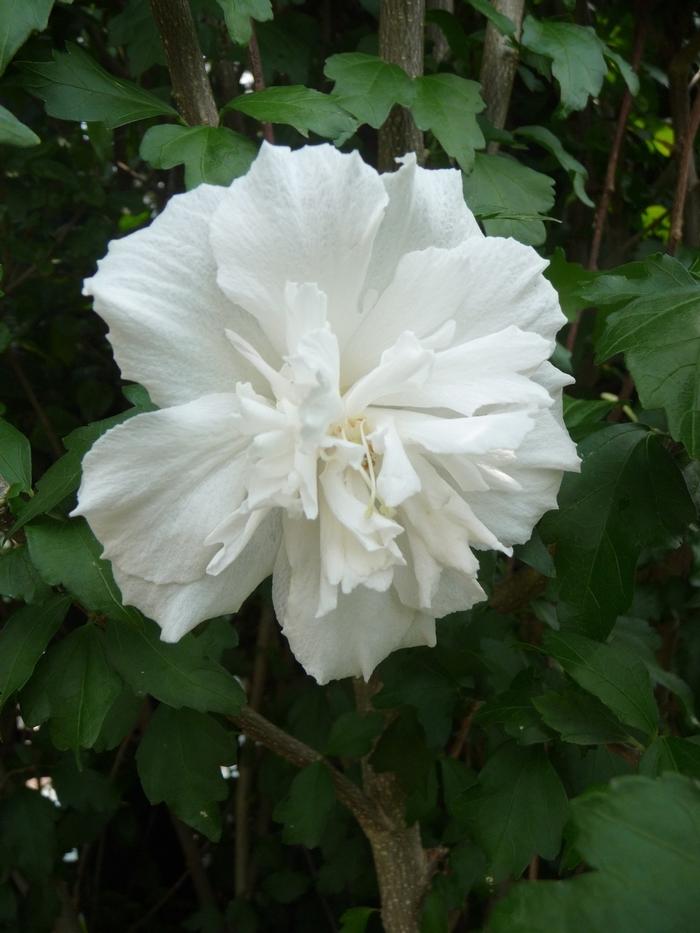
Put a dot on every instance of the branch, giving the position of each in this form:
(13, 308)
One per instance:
(618, 139)
(684, 165)
(261, 730)
(401, 43)
(256, 68)
(498, 65)
(191, 87)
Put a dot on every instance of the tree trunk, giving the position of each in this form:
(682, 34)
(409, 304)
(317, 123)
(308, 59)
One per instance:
(401, 43)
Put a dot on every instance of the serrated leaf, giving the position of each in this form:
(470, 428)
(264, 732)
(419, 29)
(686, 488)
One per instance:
(629, 75)
(211, 154)
(447, 105)
(23, 640)
(238, 14)
(620, 682)
(577, 58)
(306, 809)
(367, 86)
(504, 24)
(517, 810)
(355, 919)
(670, 753)
(66, 553)
(74, 87)
(498, 184)
(643, 839)
(15, 457)
(179, 762)
(63, 476)
(579, 718)
(177, 674)
(80, 686)
(629, 495)
(135, 29)
(660, 335)
(650, 276)
(545, 138)
(302, 107)
(353, 734)
(14, 133)
(18, 19)
(27, 830)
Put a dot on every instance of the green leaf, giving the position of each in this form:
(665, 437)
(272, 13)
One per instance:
(503, 23)
(211, 154)
(513, 710)
(79, 685)
(643, 839)
(518, 809)
(569, 279)
(353, 734)
(653, 275)
(669, 753)
(545, 138)
(14, 133)
(535, 554)
(179, 762)
(368, 87)
(620, 682)
(135, 29)
(630, 495)
(27, 830)
(74, 87)
(63, 476)
(18, 19)
(307, 807)
(498, 184)
(577, 58)
(23, 640)
(579, 718)
(238, 14)
(582, 415)
(660, 336)
(447, 105)
(301, 107)
(629, 75)
(66, 553)
(179, 674)
(355, 919)
(18, 576)
(15, 458)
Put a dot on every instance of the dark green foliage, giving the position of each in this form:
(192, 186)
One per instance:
(548, 748)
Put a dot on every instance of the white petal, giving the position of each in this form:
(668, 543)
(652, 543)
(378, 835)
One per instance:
(477, 435)
(304, 216)
(405, 364)
(157, 291)
(543, 455)
(154, 487)
(505, 286)
(397, 479)
(487, 371)
(426, 208)
(179, 607)
(428, 289)
(353, 639)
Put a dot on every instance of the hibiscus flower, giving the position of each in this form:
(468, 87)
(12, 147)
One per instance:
(354, 395)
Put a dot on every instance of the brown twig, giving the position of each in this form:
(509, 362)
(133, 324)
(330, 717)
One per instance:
(261, 730)
(150, 914)
(618, 139)
(247, 758)
(191, 87)
(256, 68)
(461, 738)
(51, 436)
(193, 861)
(686, 154)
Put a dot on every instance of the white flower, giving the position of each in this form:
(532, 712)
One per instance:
(354, 395)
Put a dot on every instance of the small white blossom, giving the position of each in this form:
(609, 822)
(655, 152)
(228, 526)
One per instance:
(354, 395)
